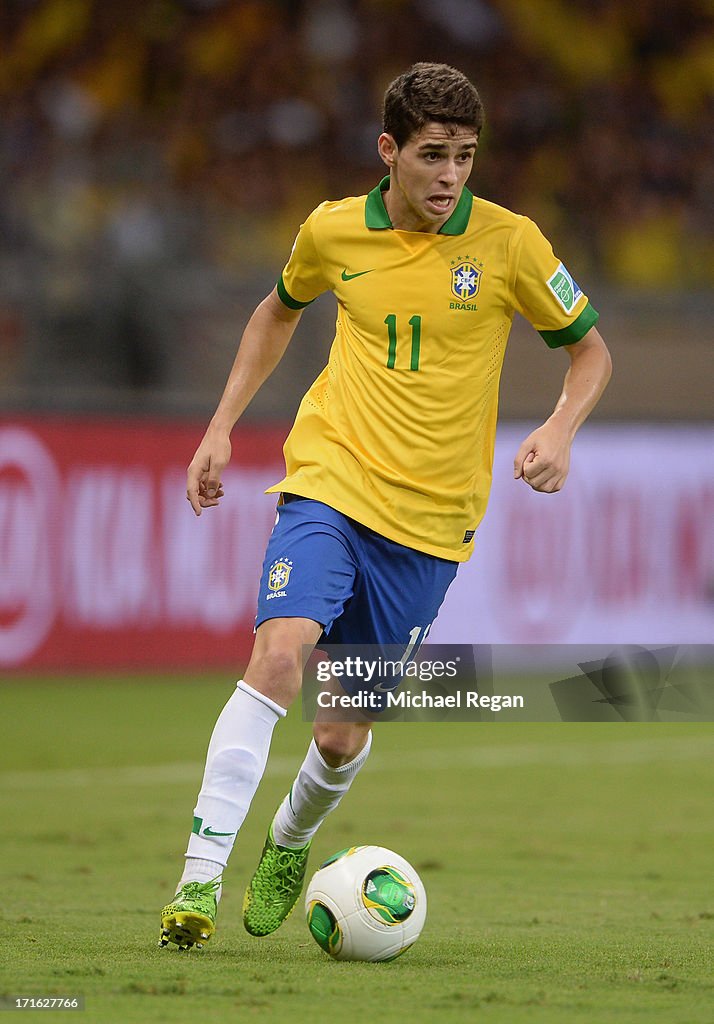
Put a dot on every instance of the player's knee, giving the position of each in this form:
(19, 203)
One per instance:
(277, 672)
(339, 744)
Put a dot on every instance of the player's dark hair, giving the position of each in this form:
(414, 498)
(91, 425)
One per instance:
(430, 92)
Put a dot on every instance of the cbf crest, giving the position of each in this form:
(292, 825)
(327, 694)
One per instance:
(279, 574)
(465, 277)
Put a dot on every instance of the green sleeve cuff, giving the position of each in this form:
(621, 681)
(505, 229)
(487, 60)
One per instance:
(573, 332)
(287, 299)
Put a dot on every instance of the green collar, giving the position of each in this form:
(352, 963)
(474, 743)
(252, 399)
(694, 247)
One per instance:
(377, 218)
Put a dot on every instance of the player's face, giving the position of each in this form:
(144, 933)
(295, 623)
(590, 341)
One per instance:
(428, 174)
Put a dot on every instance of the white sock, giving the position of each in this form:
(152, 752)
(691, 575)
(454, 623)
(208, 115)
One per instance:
(316, 791)
(235, 764)
(198, 870)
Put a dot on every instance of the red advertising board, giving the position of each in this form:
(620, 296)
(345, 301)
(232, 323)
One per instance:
(624, 554)
(102, 561)
(103, 565)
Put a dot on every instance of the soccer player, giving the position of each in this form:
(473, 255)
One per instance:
(388, 463)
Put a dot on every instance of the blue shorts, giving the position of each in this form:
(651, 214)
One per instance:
(361, 587)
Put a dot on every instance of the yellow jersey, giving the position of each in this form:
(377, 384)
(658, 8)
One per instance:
(398, 430)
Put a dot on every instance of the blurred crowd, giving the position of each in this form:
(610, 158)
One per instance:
(148, 146)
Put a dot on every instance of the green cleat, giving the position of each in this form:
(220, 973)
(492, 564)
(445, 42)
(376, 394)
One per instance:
(275, 887)
(190, 919)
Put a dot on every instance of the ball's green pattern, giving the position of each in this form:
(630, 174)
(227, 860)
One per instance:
(388, 896)
(324, 928)
(336, 856)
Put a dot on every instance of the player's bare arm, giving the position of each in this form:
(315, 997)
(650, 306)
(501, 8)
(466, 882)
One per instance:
(265, 339)
(543, 460)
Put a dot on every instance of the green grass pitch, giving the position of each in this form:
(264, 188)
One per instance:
(568, 867)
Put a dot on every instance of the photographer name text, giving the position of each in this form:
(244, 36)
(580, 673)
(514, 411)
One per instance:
(370, 701)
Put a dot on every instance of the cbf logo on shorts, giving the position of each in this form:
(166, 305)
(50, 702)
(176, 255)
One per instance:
(278, 577)
(564, 288)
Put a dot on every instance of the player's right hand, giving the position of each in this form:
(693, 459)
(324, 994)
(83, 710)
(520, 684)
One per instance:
(203, 483)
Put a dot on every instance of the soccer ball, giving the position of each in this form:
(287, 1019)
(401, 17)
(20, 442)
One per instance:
(365, 903)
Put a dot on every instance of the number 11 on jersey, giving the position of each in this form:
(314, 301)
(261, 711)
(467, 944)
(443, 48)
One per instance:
(415, 324)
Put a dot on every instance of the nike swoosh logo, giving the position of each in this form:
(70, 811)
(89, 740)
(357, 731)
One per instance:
(208, 831)
(350, 277)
